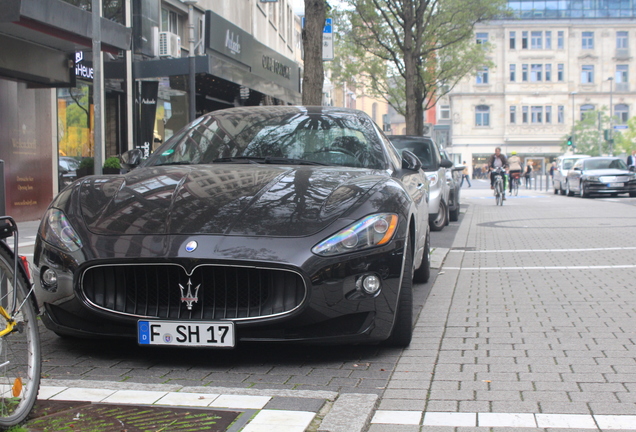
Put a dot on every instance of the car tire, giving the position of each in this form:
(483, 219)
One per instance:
(454, 214)
(423, 273)
(582, 192)
(447, 215)
(439, 221)
(556, 191)
(402, 331)
(568, 192)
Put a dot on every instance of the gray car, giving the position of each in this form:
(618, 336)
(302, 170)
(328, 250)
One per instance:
(601, 176)
(435, 167)
(564, 164)
(454, 179)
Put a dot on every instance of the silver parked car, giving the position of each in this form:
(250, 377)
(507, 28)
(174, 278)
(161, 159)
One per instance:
(435, 167)
(454, 179)
(564, 164)
(601, 175)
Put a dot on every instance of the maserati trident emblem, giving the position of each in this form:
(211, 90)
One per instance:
(187, 296)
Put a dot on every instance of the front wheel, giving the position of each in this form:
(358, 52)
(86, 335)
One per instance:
(423, 273)
(20, 355)
(583, 190)
(402, 331)
(439, 222)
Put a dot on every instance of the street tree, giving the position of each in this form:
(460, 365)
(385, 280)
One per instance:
(588, 134)
(314, 73)
(625, 141)
(413, 52)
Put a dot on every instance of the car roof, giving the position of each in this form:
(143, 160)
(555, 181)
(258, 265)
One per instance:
(573, 156)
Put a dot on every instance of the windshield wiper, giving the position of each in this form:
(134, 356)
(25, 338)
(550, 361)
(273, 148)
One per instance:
(283, 160)
(266, 160)
(239, 159)
(175, 163)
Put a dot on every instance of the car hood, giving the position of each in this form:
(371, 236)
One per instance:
(605, 172)
(246, 199)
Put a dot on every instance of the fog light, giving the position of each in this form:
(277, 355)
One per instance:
(370, 284)
(49, 279)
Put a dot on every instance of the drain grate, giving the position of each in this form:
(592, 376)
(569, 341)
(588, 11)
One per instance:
(54, 416)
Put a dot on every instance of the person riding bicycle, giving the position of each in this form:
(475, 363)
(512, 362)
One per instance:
(514, 165)
(497, 160)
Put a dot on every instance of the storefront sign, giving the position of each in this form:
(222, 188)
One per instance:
(275, 66)
(231, 41)
(148, 107)
(81, 71)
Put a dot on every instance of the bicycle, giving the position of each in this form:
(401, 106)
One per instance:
(515, 179)
(20, 353)
(499, 186)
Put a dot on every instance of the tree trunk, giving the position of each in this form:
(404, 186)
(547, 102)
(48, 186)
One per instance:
(313, 75)
(411, 100)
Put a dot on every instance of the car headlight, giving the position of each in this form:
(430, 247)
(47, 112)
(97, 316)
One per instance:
(591, 178)
(374, 230)
(432, 178)
(57, 230)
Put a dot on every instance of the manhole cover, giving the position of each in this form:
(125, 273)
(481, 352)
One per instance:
(54, 416)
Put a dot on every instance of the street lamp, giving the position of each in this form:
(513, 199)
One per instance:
(573, 144)
(611, 121)
(192, 112)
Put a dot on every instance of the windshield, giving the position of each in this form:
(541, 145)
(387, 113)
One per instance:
(275, 135)
(595, 164)
(567, 163)
(423, 148)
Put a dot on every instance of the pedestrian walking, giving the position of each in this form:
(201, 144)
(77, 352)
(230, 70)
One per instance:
(527, 173)
(465, 176)
(631, 161)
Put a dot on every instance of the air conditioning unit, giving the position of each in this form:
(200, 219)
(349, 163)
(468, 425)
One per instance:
(169, 45)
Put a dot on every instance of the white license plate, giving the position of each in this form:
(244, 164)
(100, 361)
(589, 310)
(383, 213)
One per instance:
(186, 333)
(615, 185)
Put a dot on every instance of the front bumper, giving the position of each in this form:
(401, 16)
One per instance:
(596, 187)
(332, 309)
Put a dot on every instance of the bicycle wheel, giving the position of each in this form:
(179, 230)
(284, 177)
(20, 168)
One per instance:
(499, 192)
(20, 355)
(515, 187)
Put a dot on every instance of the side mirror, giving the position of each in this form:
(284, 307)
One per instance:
(410, 161)
(131, 159)
(632, 168)
(445, 163)
(577, 168)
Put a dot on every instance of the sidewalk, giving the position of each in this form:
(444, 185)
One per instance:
(530, 324)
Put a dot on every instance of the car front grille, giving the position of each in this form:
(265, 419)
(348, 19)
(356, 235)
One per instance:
(210, 292)
(614, 179)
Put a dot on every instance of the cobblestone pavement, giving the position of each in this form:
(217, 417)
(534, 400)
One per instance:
(529, 325)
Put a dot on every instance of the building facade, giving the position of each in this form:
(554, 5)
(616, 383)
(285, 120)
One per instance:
(245, 52)
(553, 61)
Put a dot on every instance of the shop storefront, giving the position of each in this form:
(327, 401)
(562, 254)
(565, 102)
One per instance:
(75, 118)
(38, 41)
(236, 70)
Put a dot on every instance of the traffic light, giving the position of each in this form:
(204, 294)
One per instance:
(570, 141)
